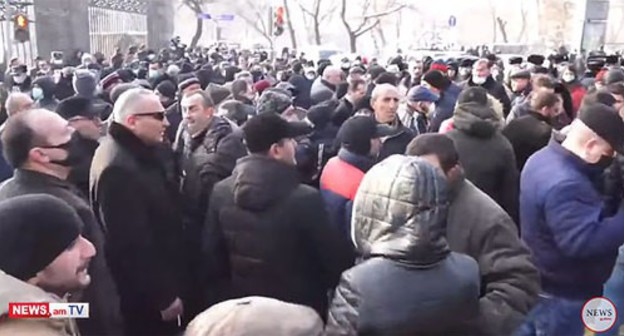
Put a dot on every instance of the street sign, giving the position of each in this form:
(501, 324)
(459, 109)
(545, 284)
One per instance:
(220, 17)
(452, 22)
(225, 17)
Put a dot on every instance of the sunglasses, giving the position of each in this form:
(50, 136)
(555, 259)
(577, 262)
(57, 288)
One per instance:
(160, 115)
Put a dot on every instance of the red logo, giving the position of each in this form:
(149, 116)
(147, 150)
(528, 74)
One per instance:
(29, 310)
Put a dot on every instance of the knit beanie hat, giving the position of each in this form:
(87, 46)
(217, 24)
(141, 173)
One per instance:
(218, 93)
(167, 89)
(84, 83)
(35, 229)
(437, 79)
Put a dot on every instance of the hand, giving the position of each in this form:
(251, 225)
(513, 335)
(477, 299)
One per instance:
(175, 309)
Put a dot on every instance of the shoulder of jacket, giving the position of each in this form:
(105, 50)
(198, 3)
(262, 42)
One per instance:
(35, 327)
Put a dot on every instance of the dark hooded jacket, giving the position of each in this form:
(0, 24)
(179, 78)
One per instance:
(303, 87)
(64, 88)
(409, 282)
(495, 89)
(268, 235)
(486, 155)
(46, 84)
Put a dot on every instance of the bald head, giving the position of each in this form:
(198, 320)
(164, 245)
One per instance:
(586, 144)
(18, 102)
(333, 75)
(40, 129)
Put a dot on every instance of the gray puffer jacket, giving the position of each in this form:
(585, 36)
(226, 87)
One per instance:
(409, 282)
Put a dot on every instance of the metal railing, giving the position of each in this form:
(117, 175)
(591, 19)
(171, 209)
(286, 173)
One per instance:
(111, 29)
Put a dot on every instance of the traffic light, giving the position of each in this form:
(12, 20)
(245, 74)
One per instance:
(279, 21)
(21, 28)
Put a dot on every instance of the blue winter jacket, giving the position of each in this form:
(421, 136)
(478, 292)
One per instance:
(445, 106)
(563, 223)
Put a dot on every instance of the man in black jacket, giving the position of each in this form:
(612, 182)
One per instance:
(482, 76)
(42, 147)
(385, 102)
(355, 93)
(265, 233)
(478, 227)
(81, 115)
(530, 133)
(135, 202)
(206, 152)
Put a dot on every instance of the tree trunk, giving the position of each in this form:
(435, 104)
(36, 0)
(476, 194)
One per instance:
(503, 28)
(198, 33)
(353, 42)
(291, 30)
(317, 31)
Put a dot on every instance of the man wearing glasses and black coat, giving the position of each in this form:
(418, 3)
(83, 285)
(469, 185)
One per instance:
(137, 206)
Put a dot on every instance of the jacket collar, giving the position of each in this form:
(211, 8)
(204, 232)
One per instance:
(539, 116)
(31, 176)
(361, 162)
(132, 143)
(329, 85)
(578, 163)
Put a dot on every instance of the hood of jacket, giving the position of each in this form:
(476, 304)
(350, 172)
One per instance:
(46, 84)
(476, 119)
(261, 182)
(400, 212)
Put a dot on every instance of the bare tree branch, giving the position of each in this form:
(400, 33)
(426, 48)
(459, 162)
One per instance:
(367, 29)
(384, 13)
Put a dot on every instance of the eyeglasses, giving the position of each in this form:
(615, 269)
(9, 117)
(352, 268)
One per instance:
(160, 115)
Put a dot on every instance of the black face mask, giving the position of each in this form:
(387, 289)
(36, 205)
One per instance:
(72, 147)
(604, 162)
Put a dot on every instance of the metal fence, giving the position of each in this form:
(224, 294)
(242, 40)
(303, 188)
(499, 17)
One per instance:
(111, 29)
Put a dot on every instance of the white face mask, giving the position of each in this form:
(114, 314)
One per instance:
(478, 80)
(568, 77)
(310, 76)
(19, 79)
(153, 73)
(37, 93)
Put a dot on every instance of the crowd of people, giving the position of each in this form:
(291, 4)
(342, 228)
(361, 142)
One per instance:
(218, 192)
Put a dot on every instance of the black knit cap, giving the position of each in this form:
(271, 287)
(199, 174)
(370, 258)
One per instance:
(437, 80)
(474, 94)
(356, 133)
(76, 107)
(266, 129)
(606, 123)
(34, 230)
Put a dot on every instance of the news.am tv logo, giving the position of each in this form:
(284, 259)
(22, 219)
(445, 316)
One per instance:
(20, 310)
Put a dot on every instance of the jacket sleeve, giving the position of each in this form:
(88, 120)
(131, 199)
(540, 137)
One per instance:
(343, 312)
(504, 99)
(215, 271)
(574, 213)
(128, 237)
(511, 281)
(332, 249)
(511, 180)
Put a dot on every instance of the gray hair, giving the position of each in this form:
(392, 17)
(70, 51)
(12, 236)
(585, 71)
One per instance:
(381, 88)
(14, 102)
(331, 71)
(126, 103)
(482, 61)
